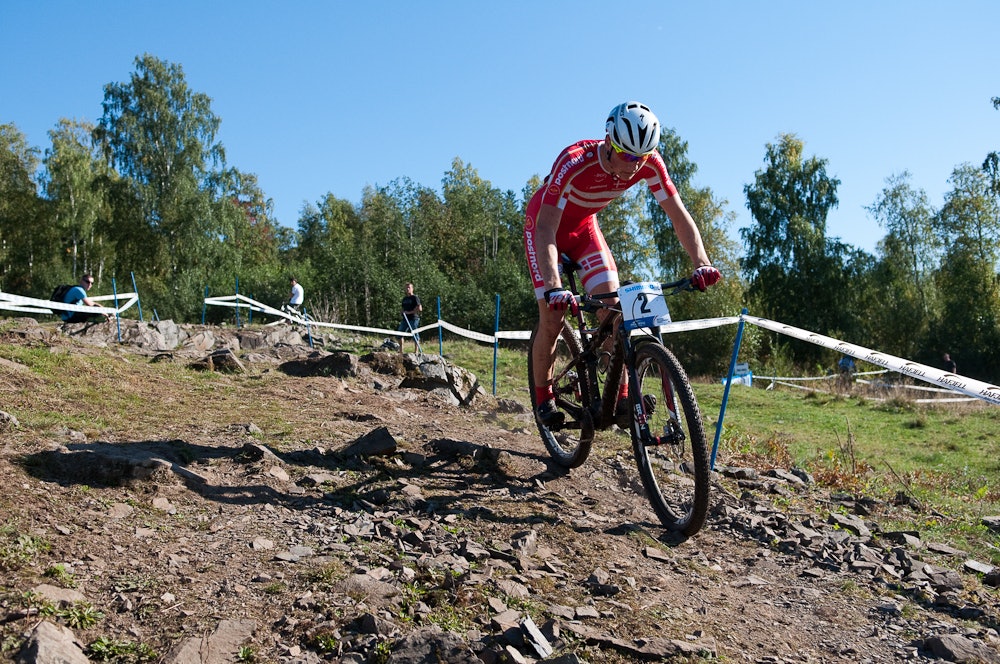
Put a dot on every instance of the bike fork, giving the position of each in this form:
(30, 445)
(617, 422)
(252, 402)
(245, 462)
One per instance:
(645, 404)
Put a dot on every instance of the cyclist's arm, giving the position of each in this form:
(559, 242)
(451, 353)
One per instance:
(546, 226)
(686, 229)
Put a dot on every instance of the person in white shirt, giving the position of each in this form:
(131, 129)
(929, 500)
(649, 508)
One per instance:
(295, 298)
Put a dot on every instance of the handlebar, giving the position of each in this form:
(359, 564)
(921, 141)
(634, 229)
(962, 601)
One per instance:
(669, 288)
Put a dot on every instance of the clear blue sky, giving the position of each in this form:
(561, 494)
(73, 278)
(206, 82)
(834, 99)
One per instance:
(331, 96)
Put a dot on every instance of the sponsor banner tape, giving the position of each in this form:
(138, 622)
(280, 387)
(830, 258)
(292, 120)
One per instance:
(952, 381)
(34, 305)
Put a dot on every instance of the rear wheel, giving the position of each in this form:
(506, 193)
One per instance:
(569, 443)
(671, 451)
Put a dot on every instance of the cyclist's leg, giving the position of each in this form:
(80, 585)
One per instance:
(599, 275)
(598, 271)
(544, 339)
(543, 353)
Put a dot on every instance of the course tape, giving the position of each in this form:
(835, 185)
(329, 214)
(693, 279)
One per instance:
(952, 381)
(244, 302)
(33, 305)
(827, 377)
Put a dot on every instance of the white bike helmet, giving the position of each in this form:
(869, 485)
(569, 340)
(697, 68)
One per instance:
(634, 127)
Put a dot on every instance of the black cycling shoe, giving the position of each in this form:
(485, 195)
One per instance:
(549, 415)
(623, 414)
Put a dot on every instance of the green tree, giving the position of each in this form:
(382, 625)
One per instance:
(992, 163)
(969, 224)
(79, 211)
(160, 137)
(484, 225)
(327, 245)
(23, 255)
(903, 274)
(795, 275)
(705, 351)
(248, 242)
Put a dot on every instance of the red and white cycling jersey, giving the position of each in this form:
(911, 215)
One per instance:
(580, 186)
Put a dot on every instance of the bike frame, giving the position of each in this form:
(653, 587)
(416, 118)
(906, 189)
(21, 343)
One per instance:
(622, 356)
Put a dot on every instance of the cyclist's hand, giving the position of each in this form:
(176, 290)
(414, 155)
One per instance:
(559, 299)
(705, 276)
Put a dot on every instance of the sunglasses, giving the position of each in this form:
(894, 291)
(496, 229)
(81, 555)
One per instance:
(626, 156)
(88, 281)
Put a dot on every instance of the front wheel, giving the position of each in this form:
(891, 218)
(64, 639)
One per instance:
(568, 443)
(670, 447)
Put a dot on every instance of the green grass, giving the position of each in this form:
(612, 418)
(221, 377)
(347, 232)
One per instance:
(900, 436)
(941, 455)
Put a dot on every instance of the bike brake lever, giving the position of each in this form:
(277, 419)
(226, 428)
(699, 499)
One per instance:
(684, 284)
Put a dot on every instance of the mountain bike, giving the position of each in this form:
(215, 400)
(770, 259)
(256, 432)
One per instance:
(663, 419)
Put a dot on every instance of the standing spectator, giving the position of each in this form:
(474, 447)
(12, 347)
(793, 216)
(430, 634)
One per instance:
(949, 364)
(295, 298)
(845, 381)
(78, 295)
(411, 316)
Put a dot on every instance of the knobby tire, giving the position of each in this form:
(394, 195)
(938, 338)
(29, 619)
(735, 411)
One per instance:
(676, 475)
(569, 445)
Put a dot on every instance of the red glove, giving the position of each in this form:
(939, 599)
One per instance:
(705, 276)
(559, 299)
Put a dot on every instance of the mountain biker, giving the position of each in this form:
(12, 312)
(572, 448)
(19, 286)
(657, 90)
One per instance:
(561, 219)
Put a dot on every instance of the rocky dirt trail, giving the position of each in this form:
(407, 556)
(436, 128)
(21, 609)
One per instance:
(303, 505)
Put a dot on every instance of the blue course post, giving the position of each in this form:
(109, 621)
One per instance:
(496, 345)
(729, 384)
(237, 303)
(118, 321)
(440, 329)
(309, 332)
(135, 289)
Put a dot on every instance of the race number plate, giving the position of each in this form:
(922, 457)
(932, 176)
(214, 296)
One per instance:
(643, 305)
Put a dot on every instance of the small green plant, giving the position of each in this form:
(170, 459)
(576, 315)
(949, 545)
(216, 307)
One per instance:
(246, 654)
(81, 615)
(60, 575)
(324, 576)
(105, 649)
(381, 652)
(449, 617)
(274, 588)
(133, 583)
(326, 642)
(18, 549)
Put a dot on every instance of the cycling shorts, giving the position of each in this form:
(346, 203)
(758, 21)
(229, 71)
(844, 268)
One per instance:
(584, 243)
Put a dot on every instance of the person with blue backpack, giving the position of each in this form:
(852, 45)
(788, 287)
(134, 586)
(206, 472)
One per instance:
(78, 295)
